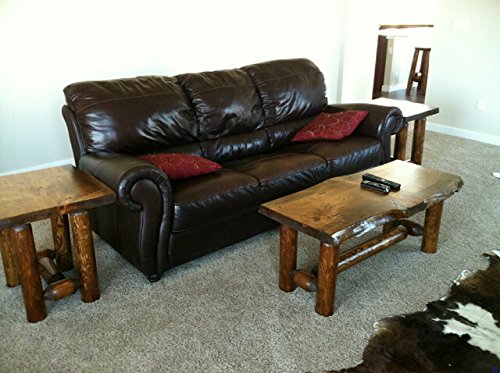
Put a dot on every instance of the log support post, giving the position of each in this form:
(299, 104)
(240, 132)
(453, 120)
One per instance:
(8, 258)
(327, 279)
(432, 224)
(84, 256)
(24, 246)
(288, 257)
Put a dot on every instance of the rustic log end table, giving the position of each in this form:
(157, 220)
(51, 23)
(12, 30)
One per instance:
(417, 113)
(338, 210)
(64, 195)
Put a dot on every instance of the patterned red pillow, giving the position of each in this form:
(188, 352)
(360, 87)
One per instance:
(331, 126)
(181, 166)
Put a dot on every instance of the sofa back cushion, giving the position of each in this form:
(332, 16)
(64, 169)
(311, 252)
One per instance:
(236, 146)
(133, 115)
(225, 102)
(289, 89)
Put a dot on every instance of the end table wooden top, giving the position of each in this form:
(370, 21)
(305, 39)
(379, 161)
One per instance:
(411, 110)
(37, 195)
(338, 209)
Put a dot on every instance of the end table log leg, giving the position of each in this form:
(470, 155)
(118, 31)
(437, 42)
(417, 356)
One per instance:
(85, 256)
(27, 265)
(327, 279)
(62, 243)
(400, 144)
(431, 228)
(417, 149)
(288, 257)
(8, 258)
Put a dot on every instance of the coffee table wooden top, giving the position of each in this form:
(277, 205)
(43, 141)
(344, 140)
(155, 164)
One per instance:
(338, 209)
(38, 195)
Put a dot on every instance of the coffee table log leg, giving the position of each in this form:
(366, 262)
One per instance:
(27, 265)
(431, 228)
(85, 256)
(8, 258)
(288, 257)
(400, 144)
(327, 279)
(417, 149)
(62, 243)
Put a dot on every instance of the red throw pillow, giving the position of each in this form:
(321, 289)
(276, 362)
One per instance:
(181, 166)
(331, 126)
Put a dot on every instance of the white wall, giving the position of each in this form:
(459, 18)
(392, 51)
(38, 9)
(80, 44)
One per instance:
(464, 67)
(45, 45)
(463, 63)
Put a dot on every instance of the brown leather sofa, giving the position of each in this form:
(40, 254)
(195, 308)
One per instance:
(241, 118)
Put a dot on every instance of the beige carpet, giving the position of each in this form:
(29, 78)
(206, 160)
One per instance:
(225, 312)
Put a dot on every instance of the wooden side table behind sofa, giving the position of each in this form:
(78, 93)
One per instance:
(56, 193)
(412, 111)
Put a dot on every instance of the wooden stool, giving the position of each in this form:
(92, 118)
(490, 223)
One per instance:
(60, 194)
(421, 76)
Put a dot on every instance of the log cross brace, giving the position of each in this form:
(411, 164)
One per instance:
(397, 232)
(58, 287)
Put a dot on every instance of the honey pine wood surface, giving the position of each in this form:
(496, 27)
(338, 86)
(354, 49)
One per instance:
(338, 209)
(40, 194)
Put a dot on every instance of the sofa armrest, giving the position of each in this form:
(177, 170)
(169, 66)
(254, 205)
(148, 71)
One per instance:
(121, 172)
(381, 122)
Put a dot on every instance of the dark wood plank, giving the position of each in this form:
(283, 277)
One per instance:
(338, 209)
(40, 194)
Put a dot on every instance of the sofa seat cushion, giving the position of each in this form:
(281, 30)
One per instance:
(352, 154)
(206, 198)
(280, 174)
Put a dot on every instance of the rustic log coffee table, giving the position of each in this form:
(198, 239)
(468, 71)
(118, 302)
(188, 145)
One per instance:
(54, 193)
(337, 210)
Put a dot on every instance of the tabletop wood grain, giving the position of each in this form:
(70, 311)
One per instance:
(37, 195)
(338, 209)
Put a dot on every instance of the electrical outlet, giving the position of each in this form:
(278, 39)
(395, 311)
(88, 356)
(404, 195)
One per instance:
(481, 104)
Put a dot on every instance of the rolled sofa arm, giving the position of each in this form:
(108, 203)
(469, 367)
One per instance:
(121, 172)
(381, 122)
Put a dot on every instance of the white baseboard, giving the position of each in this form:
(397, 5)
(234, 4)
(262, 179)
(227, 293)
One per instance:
(40, 166)
(466, 134)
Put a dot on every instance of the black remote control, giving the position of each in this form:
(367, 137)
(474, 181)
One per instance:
(392, 184)
(377, 187)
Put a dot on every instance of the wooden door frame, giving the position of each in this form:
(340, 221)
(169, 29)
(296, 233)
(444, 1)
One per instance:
(380, 59)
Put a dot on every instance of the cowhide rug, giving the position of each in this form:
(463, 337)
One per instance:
(459, 333)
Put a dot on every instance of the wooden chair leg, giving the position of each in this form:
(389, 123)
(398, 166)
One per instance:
(411, 75)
